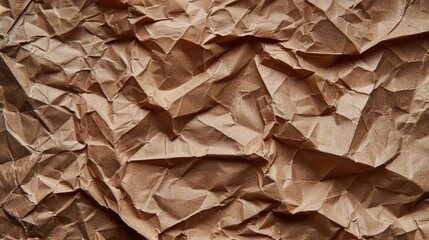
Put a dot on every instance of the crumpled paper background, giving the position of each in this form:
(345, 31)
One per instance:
(156, 119)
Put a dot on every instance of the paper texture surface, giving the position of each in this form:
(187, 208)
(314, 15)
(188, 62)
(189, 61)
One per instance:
(272, 119)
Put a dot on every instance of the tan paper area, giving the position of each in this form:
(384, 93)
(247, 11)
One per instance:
(156, 119)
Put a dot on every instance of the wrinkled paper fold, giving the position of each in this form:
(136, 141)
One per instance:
(285, 119)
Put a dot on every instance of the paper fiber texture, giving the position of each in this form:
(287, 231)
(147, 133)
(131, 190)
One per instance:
(272, 119)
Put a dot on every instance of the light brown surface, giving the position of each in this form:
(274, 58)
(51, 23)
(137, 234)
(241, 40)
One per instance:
(214, 119)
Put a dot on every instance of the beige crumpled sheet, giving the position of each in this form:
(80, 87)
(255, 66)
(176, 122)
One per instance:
(174, 119)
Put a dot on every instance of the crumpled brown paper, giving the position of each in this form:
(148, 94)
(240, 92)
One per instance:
(170, 119)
